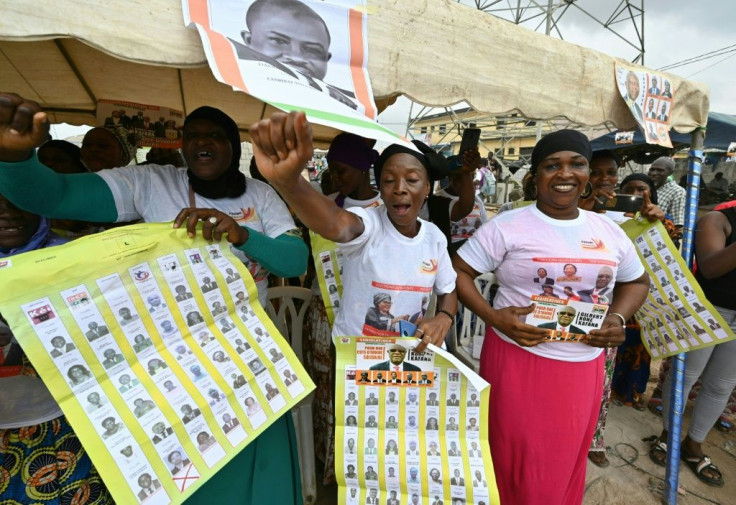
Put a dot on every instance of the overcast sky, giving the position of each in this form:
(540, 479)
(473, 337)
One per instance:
(675, 30)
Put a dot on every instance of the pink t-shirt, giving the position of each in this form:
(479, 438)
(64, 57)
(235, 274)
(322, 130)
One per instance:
(528, 251)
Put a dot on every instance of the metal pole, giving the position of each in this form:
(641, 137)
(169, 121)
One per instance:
(677, 401)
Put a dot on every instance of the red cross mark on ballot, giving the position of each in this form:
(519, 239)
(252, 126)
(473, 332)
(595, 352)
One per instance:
(189, 477)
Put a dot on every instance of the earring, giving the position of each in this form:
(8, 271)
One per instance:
(588, 191)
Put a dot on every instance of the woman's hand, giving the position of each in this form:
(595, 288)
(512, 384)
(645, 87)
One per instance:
(282, 147)
(507, 321)
(610, 334)
(214, 225)
(649, 210)
(23, 127)
(598, 196)
(471, 160)
(433, 330)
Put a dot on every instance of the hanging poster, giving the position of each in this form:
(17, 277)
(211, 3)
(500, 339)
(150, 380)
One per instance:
(305, 55)
(650, 98)
(150, 125)
(173, 367)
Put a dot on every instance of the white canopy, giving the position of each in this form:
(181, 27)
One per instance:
(66, 54)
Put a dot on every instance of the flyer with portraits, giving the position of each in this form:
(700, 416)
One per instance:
(650, 98)
(151, 125)
(567, 320)
(676, 317)
(305, 55)
(156, 349)
(409, 428)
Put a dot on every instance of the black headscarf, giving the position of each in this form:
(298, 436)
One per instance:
(232, 183)
(436, 165)
(561, 140)
(645, 179)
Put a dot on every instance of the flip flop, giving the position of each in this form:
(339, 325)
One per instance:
(658, 452)
(698, 465)
(594, 458)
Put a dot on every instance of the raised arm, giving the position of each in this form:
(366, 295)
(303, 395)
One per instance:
(282, 147)
(464, 186)
(36, 188)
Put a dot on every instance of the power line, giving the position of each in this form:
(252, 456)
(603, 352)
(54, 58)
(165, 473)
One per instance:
(701, 57)
(710, 66)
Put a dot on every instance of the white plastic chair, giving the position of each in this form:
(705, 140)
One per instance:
(288, 316)
(473, 329)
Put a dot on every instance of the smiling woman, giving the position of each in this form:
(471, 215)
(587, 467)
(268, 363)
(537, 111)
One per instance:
(211, 191)
(516, 357)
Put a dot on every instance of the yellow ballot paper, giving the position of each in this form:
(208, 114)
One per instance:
(175, 365)
(409, 428)
(676, 317)
(328, 269)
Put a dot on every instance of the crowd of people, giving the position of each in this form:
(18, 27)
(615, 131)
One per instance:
(385, 234)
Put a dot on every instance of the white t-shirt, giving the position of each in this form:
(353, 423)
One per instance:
(157, 193)
(350, 202)
(517, 243)
(464, 229)
(382, 261)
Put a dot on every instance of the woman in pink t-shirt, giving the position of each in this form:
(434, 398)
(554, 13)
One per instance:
(546, 395)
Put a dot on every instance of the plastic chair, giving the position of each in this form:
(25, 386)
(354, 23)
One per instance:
(287, 306)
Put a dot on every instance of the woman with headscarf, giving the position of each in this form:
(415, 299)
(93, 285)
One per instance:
(107, 147)
(546, 395)
(211, 190)
(33, 429)
(387, 246)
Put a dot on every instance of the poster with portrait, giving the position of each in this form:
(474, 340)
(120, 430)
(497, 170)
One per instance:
(650, 98)
(156, 349)
(150, 125)
(409, 427)
(304, 55)
(567, 320)
(676, 317)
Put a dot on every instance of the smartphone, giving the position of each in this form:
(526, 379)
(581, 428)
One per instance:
(407, 329)
(624, 203)
(471, 137)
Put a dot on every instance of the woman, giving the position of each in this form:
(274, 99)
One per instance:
(546, 464)
(107, 148)
(62, 157)
(381, 246)
(715, 251)
(194, 318)
(350, 158)
(465, 208)
(252, 407)
(38, 435)
(392, 448)
(432, 424)
(210, 190)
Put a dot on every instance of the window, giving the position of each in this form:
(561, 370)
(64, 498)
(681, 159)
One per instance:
(530, 123)
(526, 152)
(442, 129)
(423, 130)
(511, 151)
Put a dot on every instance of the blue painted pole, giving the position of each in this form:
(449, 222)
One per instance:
(677, 401)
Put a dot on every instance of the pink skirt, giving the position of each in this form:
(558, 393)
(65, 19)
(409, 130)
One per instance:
(543, 414)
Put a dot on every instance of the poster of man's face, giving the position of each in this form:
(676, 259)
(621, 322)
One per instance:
(299, 45)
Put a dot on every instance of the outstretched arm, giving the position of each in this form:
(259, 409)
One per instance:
(36, 188)
(464, 186)
(282, 146)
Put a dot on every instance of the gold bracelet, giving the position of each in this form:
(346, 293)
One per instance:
(623, 319)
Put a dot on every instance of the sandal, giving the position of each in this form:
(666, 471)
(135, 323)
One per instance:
(724, 425)
(638, 403)
(598, 458)
(658, 452)
(699, 465)
(655, 407)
